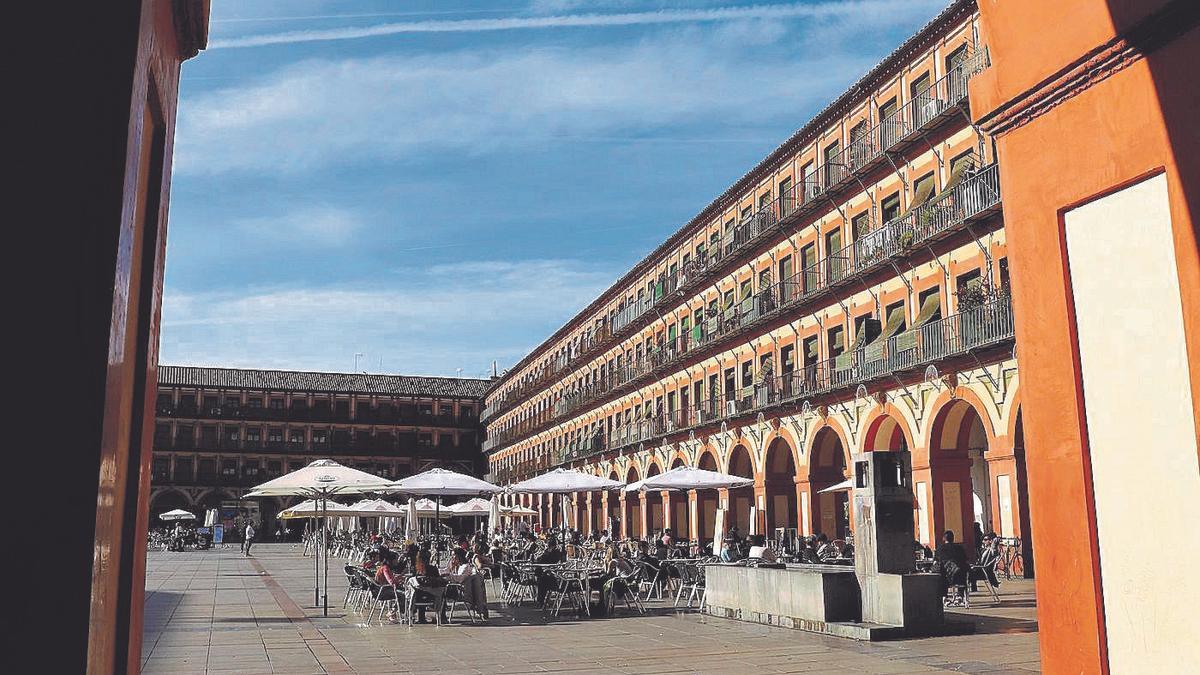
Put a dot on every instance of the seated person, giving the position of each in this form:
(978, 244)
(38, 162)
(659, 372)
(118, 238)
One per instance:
(809, 552)
(551, 556)
(462, 572)
(668, 538)
(427, 576)
(989, 555)
(825, 549)
(604, 538)
(643, 556)
(952, 562)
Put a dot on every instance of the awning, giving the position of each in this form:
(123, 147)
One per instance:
(847, 484)
(929, 309)
(958, 171)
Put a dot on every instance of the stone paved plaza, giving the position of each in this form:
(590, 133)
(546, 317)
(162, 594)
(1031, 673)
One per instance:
(217, 611)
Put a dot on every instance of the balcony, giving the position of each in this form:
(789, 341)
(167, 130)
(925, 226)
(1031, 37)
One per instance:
(926, 110)
(975, 196)
(987, 326)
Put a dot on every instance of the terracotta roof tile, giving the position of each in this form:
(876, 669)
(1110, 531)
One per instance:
(292, 380)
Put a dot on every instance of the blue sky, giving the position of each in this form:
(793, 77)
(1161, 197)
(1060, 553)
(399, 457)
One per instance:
(437, 184)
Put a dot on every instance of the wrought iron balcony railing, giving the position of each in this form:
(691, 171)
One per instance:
(926, 107)
(976, 194)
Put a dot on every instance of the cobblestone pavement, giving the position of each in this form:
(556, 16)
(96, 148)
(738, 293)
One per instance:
(217, 611)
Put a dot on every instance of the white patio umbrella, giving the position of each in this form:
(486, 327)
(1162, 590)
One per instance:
(517, 511)
(688, 478)
(410, 520)
(493, 516)
(443, 482)
(178, 514)
(567, 512)
(313, 508)
(320, 481)
(377, 507)
(562, 481)
(475, 506)
(847, 484)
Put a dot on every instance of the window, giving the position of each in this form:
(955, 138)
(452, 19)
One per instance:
(730, 383)
(254, 402)
(833, 253)
(890, 207)
(210, 402)
(161, 469)
(925, 104)
(787, 357)
(836, 340)
(786, 198)
(860, 149)
(275, 435)
(833, 171)
(748, 373)
(296, 436)
(425, 439)
(233, 401)
(956, 81)
(968, 287)
(1005, 288)
(254, 434)
(764, 200)
(860, 225)
(183, 469)
(922, 190)
(810, 350)
(930, 306)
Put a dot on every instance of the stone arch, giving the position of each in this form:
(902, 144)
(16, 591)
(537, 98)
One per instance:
(631, 517)
(828, 467)
(708, 460)
(740, 500)
(946, 399)
(170, 499)
(960, 442)
(779, 483)
(655, 516)
(835, 427)
(886, 427)
(786, 436)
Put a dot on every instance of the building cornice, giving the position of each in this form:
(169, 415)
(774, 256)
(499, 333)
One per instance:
(1094, 67)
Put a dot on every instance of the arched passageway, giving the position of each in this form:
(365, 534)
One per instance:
(681, 523)
(632, 518)
(741, 499)
(169, 500)
(706, 502)
(780, 482)
(612, 520)
(959, 475)
(655, 517)
(829, 467)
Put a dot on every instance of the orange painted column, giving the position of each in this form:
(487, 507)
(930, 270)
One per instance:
(693, 501)
(1083, 99)
(666, 509)
(626, 526)
(760, 502)
(591, 525)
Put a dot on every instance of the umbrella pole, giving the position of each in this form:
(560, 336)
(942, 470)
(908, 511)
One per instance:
(316, 564)
(437, 531)
(325, 590)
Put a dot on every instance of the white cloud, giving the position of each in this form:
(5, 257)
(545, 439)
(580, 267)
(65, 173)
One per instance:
(825, 10)
(320, 112)
(433, 320)
(320, 225)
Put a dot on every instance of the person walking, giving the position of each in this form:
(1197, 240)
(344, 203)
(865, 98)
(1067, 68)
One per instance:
(247, 538)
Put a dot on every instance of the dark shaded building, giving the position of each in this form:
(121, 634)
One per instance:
(220, 431)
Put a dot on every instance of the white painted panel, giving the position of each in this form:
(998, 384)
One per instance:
(952, 509)
(805, 519)
(923, 514)
(1004, 496)
(1141, 432)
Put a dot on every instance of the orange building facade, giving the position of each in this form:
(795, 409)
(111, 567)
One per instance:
(1093, 107)
(850, 293)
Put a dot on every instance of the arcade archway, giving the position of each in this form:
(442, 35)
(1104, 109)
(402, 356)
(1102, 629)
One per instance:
(780, 482)
(741, 499)
(680, 520)
(632, 517)
(829, 466)
(706, 502)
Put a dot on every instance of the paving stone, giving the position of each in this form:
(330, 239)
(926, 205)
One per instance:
(217, 611)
